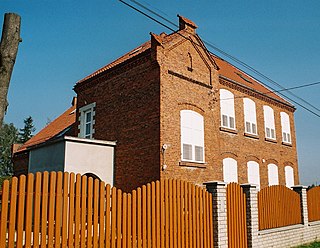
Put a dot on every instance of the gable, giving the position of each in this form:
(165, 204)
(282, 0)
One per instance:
(186, 57)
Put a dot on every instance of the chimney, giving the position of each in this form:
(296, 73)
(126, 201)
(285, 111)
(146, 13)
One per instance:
(186, 24)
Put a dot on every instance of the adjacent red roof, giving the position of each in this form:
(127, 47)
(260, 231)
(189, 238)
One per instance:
(60, 124)
(231, 72)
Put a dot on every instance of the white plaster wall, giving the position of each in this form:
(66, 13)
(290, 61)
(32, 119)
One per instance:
(90, 158)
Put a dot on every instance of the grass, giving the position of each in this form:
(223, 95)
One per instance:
(311, 245)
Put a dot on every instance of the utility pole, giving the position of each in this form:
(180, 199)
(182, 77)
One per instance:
(8, 51)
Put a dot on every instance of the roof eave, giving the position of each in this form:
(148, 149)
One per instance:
(90, 79)
(258, 92)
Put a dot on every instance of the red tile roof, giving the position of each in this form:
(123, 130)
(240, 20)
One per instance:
(64, 121)
(233, 73)
(145, 46)
(226, 69)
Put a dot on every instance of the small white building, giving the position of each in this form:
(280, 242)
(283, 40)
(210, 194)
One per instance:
(78, 155)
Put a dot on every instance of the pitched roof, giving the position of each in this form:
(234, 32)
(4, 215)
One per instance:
(229, 71)
(53, 129)
(226, 70)
(145, 46)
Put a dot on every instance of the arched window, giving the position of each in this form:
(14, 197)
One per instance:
(289, 176)
(269, 125)
(273, 174)
(230, 170)
(253, 173)
(285, 127)
(227, 109)
(192, 136)
(250, 117)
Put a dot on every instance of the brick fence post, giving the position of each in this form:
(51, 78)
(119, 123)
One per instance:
(219, 215)
(251, 193)
(302, 191)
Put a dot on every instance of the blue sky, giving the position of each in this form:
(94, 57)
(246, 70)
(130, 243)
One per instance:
(63, 41)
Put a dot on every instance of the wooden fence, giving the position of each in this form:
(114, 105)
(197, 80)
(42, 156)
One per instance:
(313, 198)
(278, 206)
(68, 210)
(236, 216)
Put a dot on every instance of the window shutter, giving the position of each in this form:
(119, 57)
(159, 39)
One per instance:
(230, 170)
(187, 152)
(268, 132)
(253, 173)
(284, 136)
(269, 122)
(289, 176)
(199, 153)
(254, 128)
(273, 174)
(225, 121)
(231, 120)
(248, 127)
(273, 134)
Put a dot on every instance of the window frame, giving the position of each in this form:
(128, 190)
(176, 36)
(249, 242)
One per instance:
(230, 170)
(269, 123)
(285, 128)
(83, 111)
(289, 176)
(250, 116)
(190, 138)
(251, 172)
(227, 111)
(272, 168)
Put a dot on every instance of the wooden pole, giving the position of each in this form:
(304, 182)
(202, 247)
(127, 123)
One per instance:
(8, 51)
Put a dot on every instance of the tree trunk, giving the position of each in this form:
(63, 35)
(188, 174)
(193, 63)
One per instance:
(8, 51)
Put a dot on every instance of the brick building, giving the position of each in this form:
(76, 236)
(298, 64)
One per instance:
(178, 111)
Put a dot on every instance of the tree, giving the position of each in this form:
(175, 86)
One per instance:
(8, 136)
(26, 132)
(8, 51)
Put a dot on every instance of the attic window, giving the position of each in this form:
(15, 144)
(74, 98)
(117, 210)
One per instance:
(135, 51)
(245, 79)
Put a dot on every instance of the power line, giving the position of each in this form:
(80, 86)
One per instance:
(153, 12)
(224, 53)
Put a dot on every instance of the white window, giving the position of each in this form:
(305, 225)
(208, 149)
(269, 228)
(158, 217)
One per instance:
(230, 170)
(289, 176)
(192, 136)
(269, 122)
(227, 109)
(87, 121)
(250, 117)
(273, 175)
(253, 173)
(285, 127)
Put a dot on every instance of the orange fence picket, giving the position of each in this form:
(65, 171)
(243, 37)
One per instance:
(313, 197)
(66, 210)
(278, 206)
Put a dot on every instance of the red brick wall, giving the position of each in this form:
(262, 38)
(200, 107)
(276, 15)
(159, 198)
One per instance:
(127, 111)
